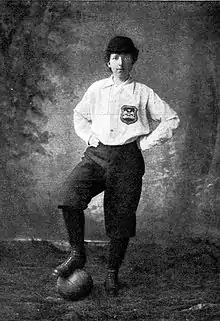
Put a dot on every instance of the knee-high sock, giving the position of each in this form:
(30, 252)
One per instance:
(75, 222)
(117, 250)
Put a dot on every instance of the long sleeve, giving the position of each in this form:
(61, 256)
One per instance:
(82, 117)
(169, 120)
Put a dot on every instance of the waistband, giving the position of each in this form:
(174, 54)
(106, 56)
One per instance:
(124, 146)
(113, 153)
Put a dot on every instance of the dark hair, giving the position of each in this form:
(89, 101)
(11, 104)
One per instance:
(120, 44)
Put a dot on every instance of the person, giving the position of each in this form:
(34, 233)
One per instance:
(112, 119)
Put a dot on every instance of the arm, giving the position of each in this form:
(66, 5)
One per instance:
(169, 120)
(82, 117)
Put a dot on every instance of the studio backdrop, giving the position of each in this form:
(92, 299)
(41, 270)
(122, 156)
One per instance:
(50, 53)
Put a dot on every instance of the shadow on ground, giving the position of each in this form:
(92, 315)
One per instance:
(176, 284)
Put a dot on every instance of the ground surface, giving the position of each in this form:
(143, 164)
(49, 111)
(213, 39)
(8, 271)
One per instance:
(175, 284)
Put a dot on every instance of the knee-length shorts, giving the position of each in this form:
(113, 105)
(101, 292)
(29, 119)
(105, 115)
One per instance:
(116, 170)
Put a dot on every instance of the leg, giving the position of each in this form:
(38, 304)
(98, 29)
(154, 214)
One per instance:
(74, 221)
(117, 250)
(121, 199)
(122, 195)
(84, 182)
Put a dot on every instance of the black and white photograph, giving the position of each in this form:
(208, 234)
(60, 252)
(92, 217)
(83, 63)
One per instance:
(110, 160)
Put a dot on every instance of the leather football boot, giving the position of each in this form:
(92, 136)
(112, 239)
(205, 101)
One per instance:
(111, 283)
(76, 260)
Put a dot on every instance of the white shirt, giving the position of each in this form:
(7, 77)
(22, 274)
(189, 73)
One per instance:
(117, 115)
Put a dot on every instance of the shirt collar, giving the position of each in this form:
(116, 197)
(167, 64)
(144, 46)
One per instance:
(109, 82)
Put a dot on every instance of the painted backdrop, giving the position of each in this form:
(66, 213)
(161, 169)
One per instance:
(50, 52)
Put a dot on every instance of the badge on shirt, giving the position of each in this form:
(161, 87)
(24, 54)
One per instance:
(128, 114)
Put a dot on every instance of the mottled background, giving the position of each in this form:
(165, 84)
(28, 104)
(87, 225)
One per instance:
(50, 52)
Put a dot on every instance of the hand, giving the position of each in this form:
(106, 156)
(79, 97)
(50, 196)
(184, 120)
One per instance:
(93, 141)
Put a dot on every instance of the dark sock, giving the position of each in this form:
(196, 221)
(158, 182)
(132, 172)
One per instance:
(75, 222)
(117, 250)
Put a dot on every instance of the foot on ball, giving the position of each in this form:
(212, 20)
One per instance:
(111, 283)
(76, 260)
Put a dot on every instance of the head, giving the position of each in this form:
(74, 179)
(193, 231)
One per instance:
(120, 56)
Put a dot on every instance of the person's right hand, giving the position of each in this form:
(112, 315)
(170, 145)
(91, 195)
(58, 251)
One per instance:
(93, 141)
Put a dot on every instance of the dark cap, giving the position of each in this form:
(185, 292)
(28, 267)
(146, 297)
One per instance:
(120, 44)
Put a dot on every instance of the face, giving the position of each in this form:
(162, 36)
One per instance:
(121, 65)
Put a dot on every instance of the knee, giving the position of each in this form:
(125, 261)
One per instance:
(75, 198)
(73, 204)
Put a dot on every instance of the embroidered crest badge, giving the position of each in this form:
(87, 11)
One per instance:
(128, 114)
